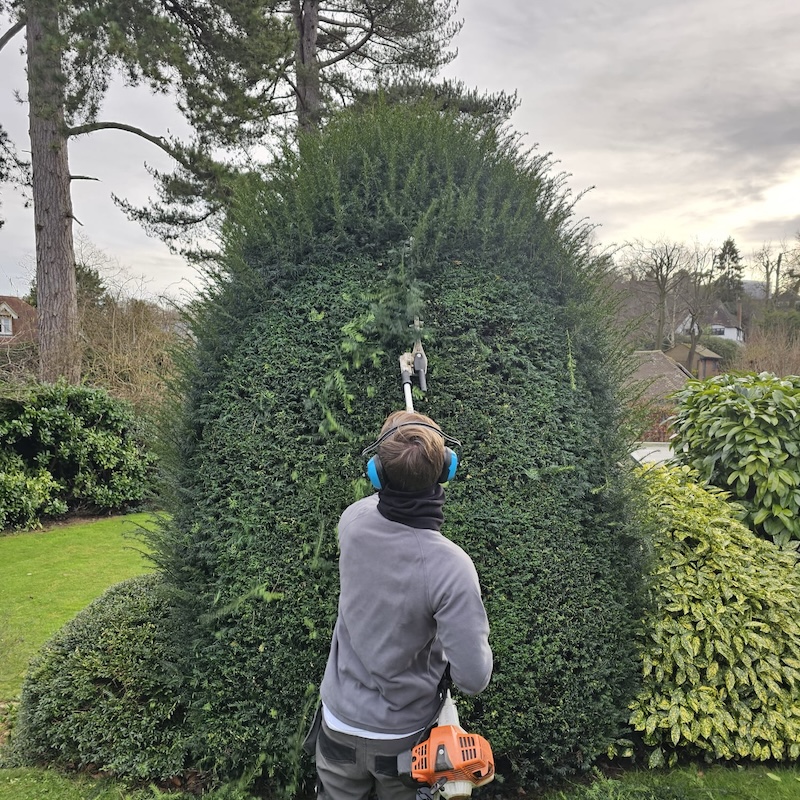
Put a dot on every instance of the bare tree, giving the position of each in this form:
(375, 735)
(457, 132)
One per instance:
(776, 350)
(697, 290)
(659, 266)
(768, 261)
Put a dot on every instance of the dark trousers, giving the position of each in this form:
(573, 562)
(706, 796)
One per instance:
(349, 767)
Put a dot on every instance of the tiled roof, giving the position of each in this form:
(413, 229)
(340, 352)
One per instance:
(23, 320)
(658, 374)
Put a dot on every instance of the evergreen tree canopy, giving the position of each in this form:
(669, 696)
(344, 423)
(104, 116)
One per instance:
(388, 214)
(728, 264)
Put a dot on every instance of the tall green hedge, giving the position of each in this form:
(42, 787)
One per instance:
(393, 213)
(388, 214)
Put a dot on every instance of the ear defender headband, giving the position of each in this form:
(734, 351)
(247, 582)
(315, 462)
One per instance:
(376, 472)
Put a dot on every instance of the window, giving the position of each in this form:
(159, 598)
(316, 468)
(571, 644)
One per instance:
(6, 329)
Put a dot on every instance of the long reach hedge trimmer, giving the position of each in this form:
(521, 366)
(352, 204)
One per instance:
(414, 363)
(451, 762)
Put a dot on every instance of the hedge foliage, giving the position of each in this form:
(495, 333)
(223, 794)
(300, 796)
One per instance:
(386, 215)
(742, 434)
(26, 494)
(66, 448)
(721, 650)
(104, 691)
(390, 214)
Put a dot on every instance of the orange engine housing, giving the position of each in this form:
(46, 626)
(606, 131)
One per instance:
(452, 753)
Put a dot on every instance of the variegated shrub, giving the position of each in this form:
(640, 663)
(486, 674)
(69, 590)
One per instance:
(721, 642)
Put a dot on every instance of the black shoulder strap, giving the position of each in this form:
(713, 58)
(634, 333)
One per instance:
(441, 692)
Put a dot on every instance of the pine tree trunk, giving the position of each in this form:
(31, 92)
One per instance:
(308, 96)
(56, 294)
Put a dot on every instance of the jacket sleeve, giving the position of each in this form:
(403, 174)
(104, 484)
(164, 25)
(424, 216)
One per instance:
(462, 625)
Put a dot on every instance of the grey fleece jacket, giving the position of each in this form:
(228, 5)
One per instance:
(409, 603)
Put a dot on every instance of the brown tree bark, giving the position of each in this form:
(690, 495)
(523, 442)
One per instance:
(308, 103)
(52, 203)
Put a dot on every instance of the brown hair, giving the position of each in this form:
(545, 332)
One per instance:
(413, 455)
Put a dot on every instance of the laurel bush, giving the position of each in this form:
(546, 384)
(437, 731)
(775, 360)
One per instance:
(67, 448)
(742, 434)
(25, 494)
(721, 645)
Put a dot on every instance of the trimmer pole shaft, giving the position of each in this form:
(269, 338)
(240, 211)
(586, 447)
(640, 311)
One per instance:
(406, 371)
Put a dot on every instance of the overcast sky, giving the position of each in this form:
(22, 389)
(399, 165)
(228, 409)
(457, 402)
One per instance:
(682, 117)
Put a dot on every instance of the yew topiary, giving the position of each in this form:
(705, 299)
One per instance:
(386, 215)
(389, 214)
(103, 693)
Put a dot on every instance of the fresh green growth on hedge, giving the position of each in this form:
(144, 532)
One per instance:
(104, 690)
(742, 434)
(721, 659)
(66, 448)
(388, 214)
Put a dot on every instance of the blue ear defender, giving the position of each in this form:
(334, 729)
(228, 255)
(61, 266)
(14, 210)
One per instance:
(377, 474)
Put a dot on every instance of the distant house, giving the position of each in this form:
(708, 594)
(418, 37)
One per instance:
(718, 322)
(706, 364)
(17, 321)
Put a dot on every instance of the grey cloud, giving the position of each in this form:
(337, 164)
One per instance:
(771, 231)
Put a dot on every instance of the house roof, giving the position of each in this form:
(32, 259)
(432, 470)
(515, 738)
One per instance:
(720, 315)
(704, 352)
(24, 316)
(700, 351)
(658, 375)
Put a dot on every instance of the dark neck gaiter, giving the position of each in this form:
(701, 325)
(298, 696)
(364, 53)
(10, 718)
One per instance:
(423, 509)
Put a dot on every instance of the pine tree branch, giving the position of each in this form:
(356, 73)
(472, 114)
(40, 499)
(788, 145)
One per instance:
(354, 48)
(158, 141)
(11, 33)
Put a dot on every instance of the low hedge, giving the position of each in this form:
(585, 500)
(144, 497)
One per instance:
(103, 693)
(721, 645)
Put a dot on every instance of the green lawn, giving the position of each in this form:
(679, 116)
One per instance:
(689, 783)
(46, 577)
(703, 782)
(34, 784)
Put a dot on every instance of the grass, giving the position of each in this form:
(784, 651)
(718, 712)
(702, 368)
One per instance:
(686, 783)
(33, 784)
(46, 577)
(706, 782)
